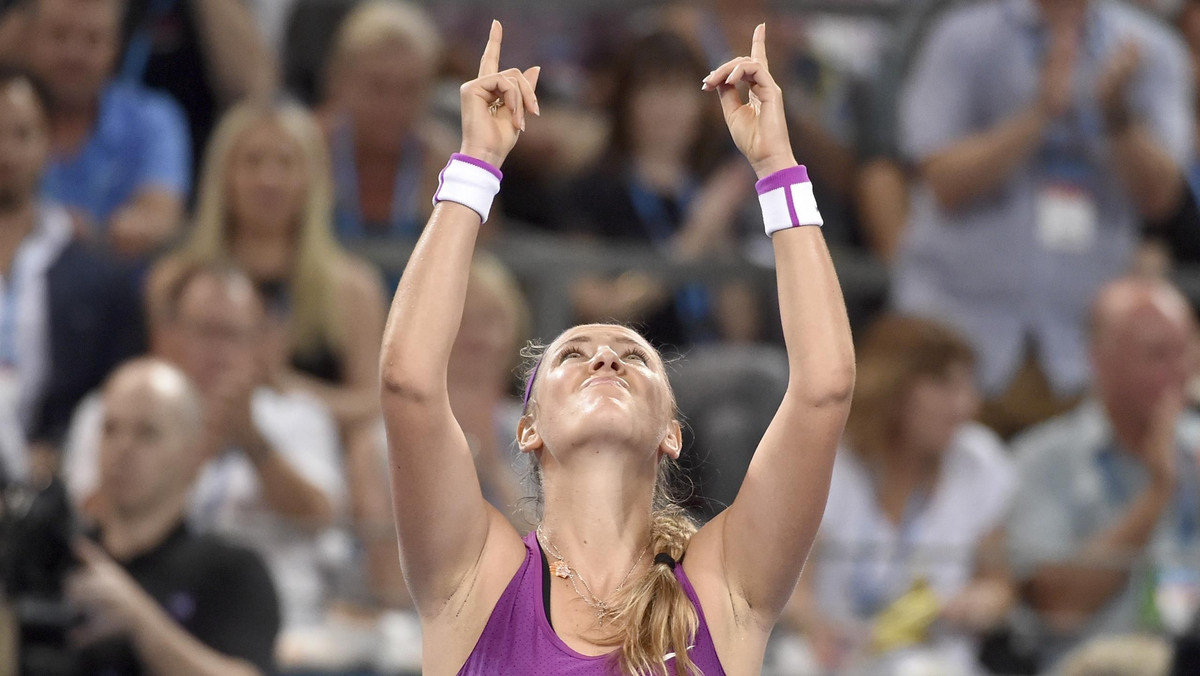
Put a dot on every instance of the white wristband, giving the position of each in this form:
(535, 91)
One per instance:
(787, 201)
(470, 182)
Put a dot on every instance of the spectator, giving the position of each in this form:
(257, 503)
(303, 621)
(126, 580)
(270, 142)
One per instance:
(483, 360)
(271, 477)
(1119, 656)
(668, 185)
(120, 153)
(1043, 131)
(69, 314)
(157, 598)
(1109, 494)
(385, 150)
(265, 202)
(914, 521)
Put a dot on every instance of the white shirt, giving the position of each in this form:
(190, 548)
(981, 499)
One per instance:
(865, 561)
(227, 498)
(25, 331)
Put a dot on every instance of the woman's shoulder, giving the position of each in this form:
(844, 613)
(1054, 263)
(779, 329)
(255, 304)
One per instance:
(358, 278)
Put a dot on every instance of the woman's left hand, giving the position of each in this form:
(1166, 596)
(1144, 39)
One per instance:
(759, 126)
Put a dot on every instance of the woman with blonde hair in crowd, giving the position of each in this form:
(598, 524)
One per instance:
(385, 150)
(908, 564)
(265, 202)
(635, 586)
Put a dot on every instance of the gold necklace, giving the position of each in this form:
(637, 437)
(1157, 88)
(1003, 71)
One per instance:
(562, 569)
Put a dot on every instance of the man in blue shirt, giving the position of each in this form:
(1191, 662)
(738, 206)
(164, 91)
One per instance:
(121, 154)
(1043, 132)
(1105, 528)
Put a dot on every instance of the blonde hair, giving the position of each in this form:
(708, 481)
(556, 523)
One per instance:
(315, 317)
(387, 23)
(652, 617)
(896, 352)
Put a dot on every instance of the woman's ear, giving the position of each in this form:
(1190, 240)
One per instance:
(672, 444)
(528, 439)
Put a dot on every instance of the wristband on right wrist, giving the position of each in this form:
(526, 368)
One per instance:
(787, 201)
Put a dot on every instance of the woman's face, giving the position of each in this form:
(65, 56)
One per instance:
(601, 382)
(936, 406)
(384, 90)
(486, 343)
(268, 179)
(674, 100)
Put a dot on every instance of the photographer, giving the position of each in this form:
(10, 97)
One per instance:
(155, 597)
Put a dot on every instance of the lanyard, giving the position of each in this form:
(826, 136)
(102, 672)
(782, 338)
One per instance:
(8, 319)
(692, 299)
(137, 53)
(1186, 498)
(871, 591)
(405, 218)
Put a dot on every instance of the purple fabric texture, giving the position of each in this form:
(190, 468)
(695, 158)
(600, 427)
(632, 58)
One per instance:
(518, 639)
(479, 163)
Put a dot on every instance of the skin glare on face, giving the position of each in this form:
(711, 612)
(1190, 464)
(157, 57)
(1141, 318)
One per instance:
(384, 90)
(220, 329)
(268, 179)
(1141, 359)
(23, 144)
(602, 375)
(937, 406)
(673, 99)
(143, 448)
(74, 47)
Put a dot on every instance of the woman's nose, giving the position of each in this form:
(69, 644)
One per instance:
(606, 356)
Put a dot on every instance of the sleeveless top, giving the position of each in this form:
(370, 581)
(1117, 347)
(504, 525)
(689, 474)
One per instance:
(518, 638)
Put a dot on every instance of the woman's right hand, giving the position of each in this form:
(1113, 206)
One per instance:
(494, 104)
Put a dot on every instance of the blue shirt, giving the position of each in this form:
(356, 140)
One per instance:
(1074, 481)
(140, 141)
(983, 267)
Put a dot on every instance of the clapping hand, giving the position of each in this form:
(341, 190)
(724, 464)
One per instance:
(758, 126)
(494, 104)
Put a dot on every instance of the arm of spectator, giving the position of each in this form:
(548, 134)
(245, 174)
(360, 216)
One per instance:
(711, 216)
(147, 222)
(13, 29)
(355, 400)
(1068, 591)
(286, 490)
(882, 204)
(960, 162)
(371, 512)
(985, 602)
(829, 641)
(163, 646)
(631, 297)
(1140, 143)
(235, 50)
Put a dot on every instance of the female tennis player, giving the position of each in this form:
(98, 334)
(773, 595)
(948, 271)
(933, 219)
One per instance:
(614, 579)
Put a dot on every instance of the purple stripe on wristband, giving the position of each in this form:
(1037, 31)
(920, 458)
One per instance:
(781, 178)
(787, 194)
(479, 163)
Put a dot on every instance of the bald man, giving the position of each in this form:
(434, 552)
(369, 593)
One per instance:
(1106, 521)
(158, 599)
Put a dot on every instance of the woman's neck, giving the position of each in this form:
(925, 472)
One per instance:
(597, 515)
(905, 473)
(662, 172)
(264, 255)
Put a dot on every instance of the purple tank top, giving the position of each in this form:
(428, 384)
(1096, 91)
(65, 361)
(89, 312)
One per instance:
(518, 638)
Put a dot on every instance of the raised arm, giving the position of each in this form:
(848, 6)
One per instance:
(442, 520)
(767, 531)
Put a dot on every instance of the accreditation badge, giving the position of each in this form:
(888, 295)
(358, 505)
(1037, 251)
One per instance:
(1067, 218)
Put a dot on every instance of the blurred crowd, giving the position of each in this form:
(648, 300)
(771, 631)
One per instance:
(205, 204)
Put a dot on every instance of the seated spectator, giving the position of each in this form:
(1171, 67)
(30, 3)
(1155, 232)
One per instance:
(1105, 521)
(265, 203)
(271, 476)
(70, 315)
(668, 185)
(480, 380)
(157, 598)
(386, 152)
(1044, 132)
(913, 529)
(121, 157)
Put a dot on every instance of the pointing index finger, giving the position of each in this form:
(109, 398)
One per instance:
(758, 45)
(489, 64)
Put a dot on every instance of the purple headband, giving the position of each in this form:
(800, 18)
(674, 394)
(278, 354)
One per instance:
(529, 383)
